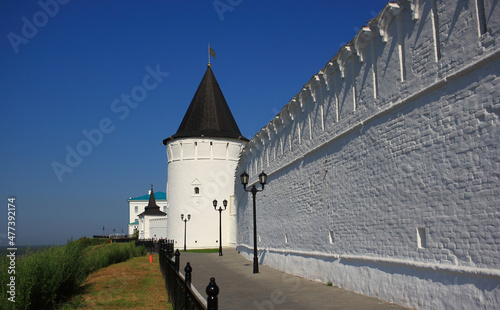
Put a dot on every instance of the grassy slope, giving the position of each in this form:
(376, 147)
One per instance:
(134, 284)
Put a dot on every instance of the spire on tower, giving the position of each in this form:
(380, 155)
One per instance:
(152, 208)
(208, 114)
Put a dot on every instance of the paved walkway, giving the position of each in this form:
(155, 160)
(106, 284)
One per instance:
(270, 289)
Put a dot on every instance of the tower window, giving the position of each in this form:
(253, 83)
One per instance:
(331, 236)
(196, 190)
(481, 16)
(136, 209)
(421, 238)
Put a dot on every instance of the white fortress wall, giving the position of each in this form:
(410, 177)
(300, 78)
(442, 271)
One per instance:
(158, 227)
(384, 169)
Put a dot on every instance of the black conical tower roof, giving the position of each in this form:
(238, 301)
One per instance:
(152, 208)
(208, 114)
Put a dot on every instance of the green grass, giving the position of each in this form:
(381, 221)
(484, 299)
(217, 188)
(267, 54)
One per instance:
(47, 277)
(133, 284)
(44, 277)
(103, 255)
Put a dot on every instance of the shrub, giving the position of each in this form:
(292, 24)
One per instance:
(135, 235)
(46, 277)
(101, 256)
(84, 241)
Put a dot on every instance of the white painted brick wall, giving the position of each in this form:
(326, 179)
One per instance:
(423, 154)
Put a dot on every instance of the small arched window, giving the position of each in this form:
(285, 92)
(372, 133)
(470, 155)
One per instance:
(197, 190)
(136, 209)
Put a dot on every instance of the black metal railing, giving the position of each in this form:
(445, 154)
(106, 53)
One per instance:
(150, 245)
(122, 240)
(181, 293)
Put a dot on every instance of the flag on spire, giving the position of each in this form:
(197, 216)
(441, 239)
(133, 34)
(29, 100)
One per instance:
(212, 52)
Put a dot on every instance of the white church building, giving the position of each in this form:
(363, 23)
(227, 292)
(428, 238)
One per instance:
(148, 215)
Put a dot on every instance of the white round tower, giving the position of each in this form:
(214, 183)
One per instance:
(202, 159)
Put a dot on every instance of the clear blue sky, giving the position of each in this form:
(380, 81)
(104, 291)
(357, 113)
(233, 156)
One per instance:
(64, 69)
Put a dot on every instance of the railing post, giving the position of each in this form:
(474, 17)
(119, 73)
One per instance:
(160, 258)
(187, 273)
(212, 292)
(177, 254)
(169, 247)
(180, 291)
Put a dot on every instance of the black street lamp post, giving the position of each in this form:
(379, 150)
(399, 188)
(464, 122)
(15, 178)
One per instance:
(254, 190)
(185, 222)
(220, 222)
